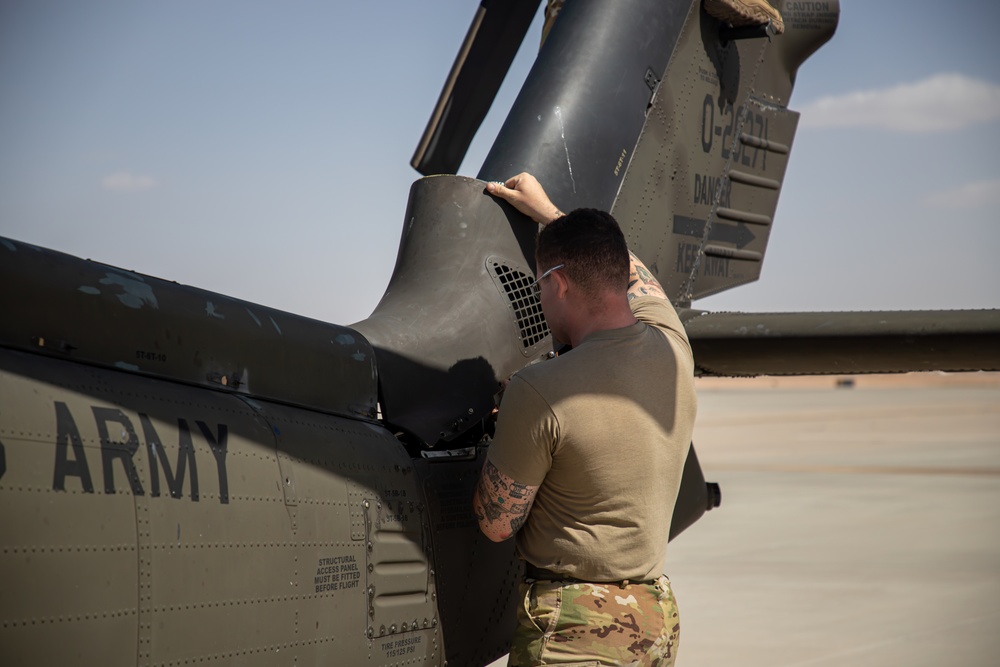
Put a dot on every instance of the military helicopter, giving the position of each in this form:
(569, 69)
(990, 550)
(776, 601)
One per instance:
(190, 478)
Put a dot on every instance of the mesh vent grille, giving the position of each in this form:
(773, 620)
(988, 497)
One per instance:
(524, 300)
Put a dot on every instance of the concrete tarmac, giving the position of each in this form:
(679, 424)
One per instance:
(858, 526)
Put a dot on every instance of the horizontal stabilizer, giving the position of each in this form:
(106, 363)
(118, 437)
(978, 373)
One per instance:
(744, 344)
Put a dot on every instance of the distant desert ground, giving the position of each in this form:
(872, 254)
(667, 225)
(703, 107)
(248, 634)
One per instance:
(898, 380)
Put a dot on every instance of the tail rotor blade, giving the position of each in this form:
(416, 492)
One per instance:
(494, 37)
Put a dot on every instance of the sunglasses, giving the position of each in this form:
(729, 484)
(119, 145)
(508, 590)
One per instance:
(542, 277)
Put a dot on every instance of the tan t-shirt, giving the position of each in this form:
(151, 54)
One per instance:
(604, 431)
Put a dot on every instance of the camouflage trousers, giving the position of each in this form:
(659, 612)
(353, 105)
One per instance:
(584, 624)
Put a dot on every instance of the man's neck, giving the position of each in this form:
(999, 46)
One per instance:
(607, 312)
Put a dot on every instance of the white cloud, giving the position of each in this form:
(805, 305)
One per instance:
(125, 181)
(939, 104)
(981, 194)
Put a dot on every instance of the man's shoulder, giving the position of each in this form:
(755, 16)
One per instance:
(656, 312)
(537, 375)
(548, 376)
(660, 315)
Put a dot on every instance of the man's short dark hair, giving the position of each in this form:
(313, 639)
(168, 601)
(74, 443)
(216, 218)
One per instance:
(591, 245)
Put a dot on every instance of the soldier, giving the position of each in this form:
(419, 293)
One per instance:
(589, 449)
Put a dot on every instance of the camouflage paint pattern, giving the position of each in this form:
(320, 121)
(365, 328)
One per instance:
(562, 623)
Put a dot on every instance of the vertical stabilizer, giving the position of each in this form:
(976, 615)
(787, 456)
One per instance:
(702, 185)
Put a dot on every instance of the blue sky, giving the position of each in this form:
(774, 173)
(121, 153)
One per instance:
(261, 149)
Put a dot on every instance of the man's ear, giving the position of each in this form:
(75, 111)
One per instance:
(561, 283)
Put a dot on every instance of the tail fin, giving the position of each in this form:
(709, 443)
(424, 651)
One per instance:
(702, 184)
(676, 122)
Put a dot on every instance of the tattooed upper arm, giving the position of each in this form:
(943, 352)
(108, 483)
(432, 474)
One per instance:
(640, 281)
(500, 503)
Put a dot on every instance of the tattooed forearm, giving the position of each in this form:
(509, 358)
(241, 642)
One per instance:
(492, 494)
(495, 494)
(501, 504)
